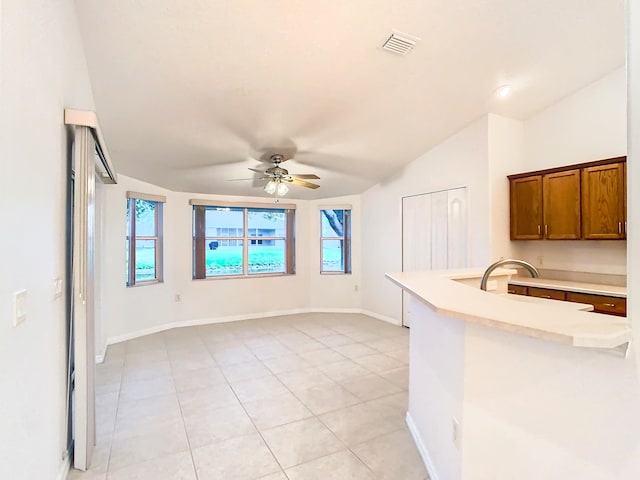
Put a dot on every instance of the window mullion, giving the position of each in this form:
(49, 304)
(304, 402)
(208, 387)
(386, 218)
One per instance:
(132, 242)
(245, 244)
(199, 247)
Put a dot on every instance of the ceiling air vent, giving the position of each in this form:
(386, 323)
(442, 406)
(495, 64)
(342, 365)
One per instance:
(400, 43)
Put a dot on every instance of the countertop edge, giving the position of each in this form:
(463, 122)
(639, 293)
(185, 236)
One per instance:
(616, 332)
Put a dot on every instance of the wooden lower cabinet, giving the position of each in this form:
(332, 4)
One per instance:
(547, 293)
(601, 303)
(518, 290)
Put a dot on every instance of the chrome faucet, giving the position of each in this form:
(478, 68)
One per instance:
(509, 261)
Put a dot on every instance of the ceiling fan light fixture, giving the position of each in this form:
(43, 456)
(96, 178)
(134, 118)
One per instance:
(282, 189)
(270, 187)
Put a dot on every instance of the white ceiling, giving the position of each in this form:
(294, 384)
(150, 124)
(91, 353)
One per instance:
(191, 93)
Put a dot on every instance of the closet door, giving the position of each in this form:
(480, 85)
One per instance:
(416, 241)
(457, 245)
(434, 235)
(440, 230)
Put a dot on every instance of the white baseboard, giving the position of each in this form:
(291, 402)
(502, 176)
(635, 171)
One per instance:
(64, 469)
(431, 470)
(384, 318)
(202, 321)
(237, 318)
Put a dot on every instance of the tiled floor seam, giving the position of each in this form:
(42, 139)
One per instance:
(115, 418)
(184, 425)
(257, 429)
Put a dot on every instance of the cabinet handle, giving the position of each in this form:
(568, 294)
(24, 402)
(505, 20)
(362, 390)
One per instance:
(619, 228)
(545, 296)
(538, 229)
(546, 229)
(511, 291)
(625, 227)
(609, 304)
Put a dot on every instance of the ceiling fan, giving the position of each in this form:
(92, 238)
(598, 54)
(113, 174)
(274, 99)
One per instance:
(278, 177)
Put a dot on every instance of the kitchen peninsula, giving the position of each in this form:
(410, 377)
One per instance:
(503, 388)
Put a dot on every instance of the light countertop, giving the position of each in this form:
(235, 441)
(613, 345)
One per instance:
(579, 287)
(547, 321)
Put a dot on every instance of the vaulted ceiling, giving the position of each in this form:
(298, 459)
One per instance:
(190, 94)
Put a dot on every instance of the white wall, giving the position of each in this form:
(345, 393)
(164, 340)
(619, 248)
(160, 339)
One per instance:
(130, 311)
(506, 154)
(588, 125)
(42, 71)
(462, 160)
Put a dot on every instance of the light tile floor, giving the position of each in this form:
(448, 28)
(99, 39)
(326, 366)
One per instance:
(299, 397)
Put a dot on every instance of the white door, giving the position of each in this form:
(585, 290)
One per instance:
(416, 241)
(84, 437)
(457, 244)
(439, 230)
(434, 235)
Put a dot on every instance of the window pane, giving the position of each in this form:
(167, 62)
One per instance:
(224, 259)
(145, 218)
(145, 260)
(267, 223)
(224, 222)
(267, 256)
(332, 256)
(332, 223)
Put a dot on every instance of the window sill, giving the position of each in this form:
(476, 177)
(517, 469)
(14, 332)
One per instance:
(236, 277)
(335, 273)
(145, 283)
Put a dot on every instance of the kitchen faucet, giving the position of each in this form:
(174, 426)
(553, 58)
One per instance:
(509, 261)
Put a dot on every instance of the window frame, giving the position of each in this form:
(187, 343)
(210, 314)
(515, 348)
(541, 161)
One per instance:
(200, 240)
(157, 238)
(345, 238)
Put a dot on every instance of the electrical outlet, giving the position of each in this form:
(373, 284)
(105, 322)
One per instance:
(178, 297)
(492, 285)
(456, 432)
(356, 288)
(540, 260)
(19, 307)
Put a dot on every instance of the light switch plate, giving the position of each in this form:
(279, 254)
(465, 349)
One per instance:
(57, 288)
(19, 307)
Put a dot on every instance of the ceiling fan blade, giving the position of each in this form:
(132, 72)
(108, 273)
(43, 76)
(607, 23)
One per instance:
(302, 183)
(310, 176)
(256, 170)
(240, 179)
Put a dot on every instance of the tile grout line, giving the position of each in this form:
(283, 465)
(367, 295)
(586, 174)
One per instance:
(184, 425)
(272, 336)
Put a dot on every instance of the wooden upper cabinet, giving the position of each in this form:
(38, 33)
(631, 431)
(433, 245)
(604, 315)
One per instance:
(582, 201)
(603, 202)
(526, 208)
(561, 205)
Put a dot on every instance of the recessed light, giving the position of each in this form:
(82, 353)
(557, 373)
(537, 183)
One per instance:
(503, 91)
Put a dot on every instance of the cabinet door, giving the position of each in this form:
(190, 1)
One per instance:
(562, 205)
(518, 289)
(601, 303)
(547, 293)
(603, 202)
(526, 208)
